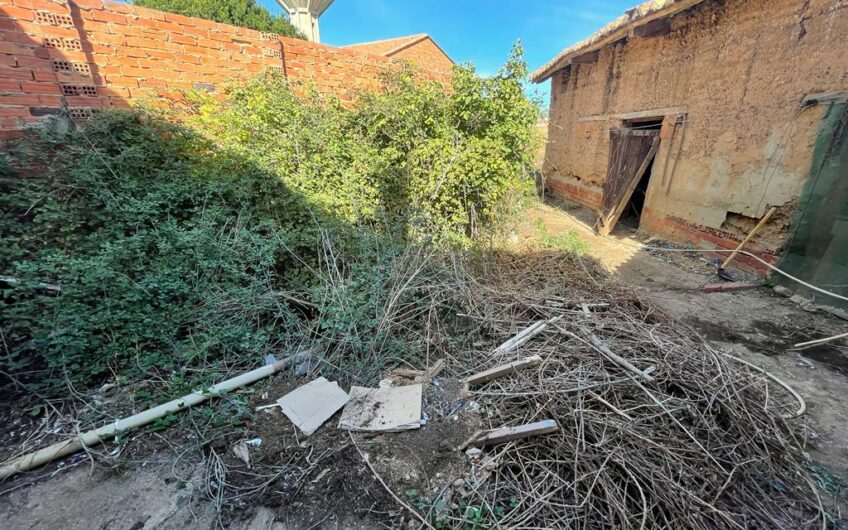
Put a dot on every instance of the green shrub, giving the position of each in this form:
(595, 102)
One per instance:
(190, 246)
(244, 13)
(167, 252)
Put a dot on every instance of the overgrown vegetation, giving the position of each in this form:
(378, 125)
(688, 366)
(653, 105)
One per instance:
(190, 243)
(244, 13)
(569, 240)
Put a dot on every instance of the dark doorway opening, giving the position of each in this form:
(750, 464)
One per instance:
(633, 211)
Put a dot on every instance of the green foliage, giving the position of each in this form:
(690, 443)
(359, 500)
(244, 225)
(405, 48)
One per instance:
(439, 164)
(165, 255)
(244, 13)
(569, 240)
(177, 238)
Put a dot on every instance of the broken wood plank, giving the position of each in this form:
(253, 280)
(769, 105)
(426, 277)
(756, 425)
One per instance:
(407, 372)
(727, 286)
(618, 359)
(436, 369)
(524, 335)
(431, 372)
(504, 369)
(508, 434)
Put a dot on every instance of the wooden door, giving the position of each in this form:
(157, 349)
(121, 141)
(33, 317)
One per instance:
(631, 151)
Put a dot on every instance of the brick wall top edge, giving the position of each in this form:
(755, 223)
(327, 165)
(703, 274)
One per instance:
(318, 47)
(177, 19)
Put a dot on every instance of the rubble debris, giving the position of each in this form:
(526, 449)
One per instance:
(312, 404)
(470, 439)
(110, 430)
(703, 410)
(727, 286)
(387, 409)
(367, 460)
(783, 291)
(835, 311)
(508, 434)
(242, 453)
(305, 362)
(504, 369)
(804, 303)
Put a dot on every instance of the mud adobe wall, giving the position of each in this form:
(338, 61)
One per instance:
(736, 71)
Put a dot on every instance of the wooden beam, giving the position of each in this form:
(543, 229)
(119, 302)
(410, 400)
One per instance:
(504, 369)
(508, 434)
(749, 237)
(607, 224)
(729, 286)
(654, 28)
(587, 58)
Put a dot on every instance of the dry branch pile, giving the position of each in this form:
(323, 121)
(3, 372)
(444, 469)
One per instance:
(703, 444)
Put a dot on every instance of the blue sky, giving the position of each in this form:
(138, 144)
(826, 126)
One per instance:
(478, 31)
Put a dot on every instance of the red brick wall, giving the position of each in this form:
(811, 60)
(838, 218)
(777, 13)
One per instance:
(426, 54)
(92, 54)
(679, 230)
(578, 194)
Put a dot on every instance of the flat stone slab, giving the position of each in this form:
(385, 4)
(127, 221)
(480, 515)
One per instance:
(312, 404)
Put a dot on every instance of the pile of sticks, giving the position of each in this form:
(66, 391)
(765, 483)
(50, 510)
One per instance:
(656, 428)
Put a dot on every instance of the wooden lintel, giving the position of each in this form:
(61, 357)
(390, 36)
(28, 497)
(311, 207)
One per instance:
(586, 58)
(667, 111)
(654, 28)
(508, 434)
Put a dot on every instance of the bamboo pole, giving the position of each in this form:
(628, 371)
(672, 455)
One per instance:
(749, 237)
(107, 432)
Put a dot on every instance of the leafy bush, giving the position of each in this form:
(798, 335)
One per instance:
(190, 246)
(167, 254)
(244, 13)
(436, 162)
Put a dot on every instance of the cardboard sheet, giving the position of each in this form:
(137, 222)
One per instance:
(382, 409)
(312, 404)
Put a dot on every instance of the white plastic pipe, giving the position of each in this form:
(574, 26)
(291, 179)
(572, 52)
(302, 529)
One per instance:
(107, 432)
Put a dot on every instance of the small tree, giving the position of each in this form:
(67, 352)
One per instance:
(244, 13)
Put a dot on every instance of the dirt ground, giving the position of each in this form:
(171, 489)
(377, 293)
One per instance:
(291, 481)
(322, 481)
